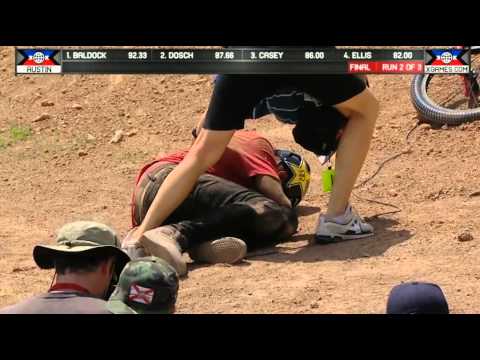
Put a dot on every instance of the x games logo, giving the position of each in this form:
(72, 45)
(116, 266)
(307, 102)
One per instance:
(448, 61)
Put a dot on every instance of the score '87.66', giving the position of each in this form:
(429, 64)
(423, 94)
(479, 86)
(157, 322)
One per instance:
(225, 55)
(137, 55)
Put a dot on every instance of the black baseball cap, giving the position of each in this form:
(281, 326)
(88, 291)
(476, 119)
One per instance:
(319, 129)
(417, 298)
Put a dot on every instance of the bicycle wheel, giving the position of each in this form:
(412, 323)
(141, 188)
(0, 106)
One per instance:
(448, 99)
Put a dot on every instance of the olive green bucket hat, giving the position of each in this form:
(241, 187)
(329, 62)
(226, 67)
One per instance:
(78, 238)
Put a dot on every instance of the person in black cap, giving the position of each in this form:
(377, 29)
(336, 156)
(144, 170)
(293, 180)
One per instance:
(417, 298)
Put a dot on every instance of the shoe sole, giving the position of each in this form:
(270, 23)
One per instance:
(222, 251)
(330, 239)
(162, 246)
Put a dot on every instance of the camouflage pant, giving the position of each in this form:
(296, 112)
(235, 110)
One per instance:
(217, 208)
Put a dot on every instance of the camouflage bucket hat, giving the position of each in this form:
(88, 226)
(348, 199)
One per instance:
(79, 238)
(147, 285)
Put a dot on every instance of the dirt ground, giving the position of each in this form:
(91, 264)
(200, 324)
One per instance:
(63, 168)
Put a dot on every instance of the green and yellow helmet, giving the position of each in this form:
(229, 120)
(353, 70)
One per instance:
(294, 174)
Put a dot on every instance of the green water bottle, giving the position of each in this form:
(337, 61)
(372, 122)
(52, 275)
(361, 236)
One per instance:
(328, 177)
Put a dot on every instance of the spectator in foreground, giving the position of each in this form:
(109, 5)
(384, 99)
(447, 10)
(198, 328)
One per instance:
(87, 260)
(417, 298)
(147, 285)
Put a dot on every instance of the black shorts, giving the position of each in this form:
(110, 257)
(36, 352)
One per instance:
(236, 96)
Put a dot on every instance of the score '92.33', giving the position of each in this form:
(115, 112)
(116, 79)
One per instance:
(137, 55)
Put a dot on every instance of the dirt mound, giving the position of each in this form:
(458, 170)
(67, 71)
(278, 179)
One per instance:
(58, 164)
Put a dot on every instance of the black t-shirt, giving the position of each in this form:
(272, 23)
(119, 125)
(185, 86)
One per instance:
(68, 302)
(239, 97)
(235, 97)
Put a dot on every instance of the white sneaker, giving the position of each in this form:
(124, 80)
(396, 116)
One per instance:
(226, 250)
(329, 231)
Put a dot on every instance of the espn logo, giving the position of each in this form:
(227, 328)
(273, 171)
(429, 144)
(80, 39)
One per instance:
(37, 61)
(448, 61)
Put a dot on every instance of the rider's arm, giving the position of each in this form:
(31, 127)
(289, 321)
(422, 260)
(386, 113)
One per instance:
(206, 151)
(271, 188)
(265, 172)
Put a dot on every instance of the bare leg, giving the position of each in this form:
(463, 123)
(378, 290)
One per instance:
(362, 112)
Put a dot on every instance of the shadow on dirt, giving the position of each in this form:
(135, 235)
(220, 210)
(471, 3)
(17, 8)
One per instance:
(194, 266)
(307, 210)
(348, 250)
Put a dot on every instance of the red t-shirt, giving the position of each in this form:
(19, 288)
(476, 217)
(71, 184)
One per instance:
(248, 154)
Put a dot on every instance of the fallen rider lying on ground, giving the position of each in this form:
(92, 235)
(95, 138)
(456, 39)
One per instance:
(240, 203)
(316, 104)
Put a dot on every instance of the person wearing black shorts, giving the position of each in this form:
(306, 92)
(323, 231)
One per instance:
(235, 98)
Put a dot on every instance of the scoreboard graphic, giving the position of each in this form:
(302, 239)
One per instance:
(241, 61)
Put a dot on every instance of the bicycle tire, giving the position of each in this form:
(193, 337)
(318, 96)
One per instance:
(431, 112)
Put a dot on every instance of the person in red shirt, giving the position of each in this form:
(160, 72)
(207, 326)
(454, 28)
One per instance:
(238, 204)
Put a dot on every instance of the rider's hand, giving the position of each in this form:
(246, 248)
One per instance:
(271, 188)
